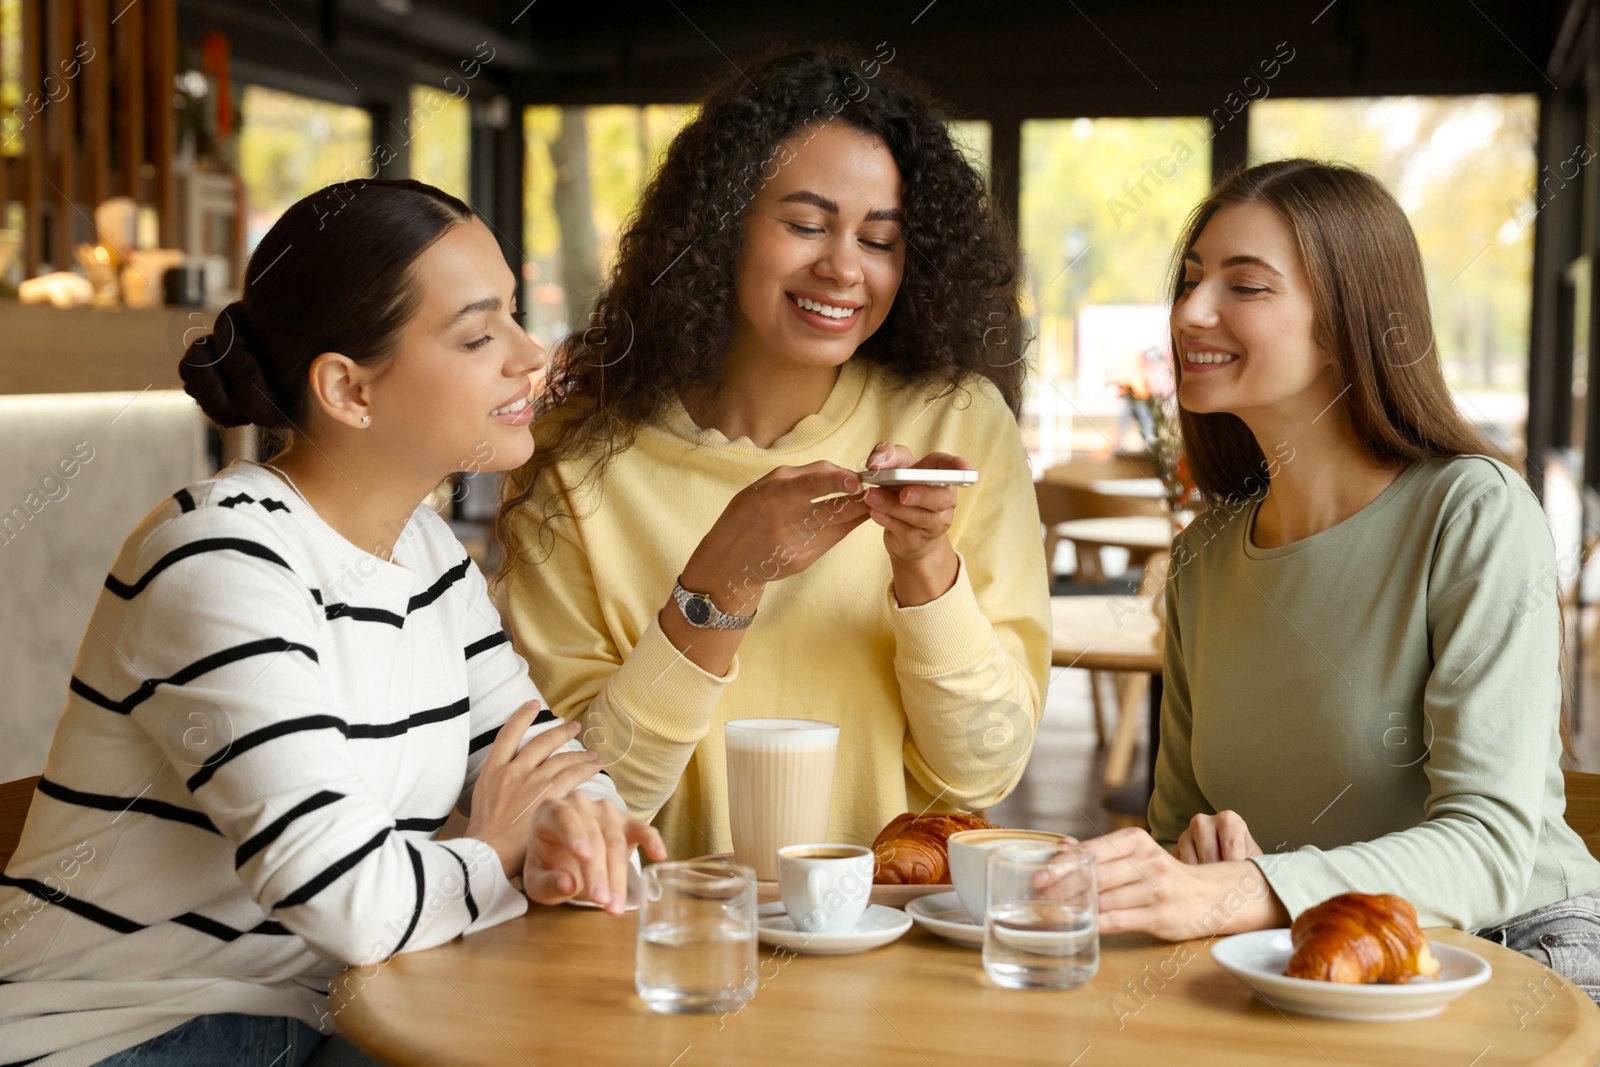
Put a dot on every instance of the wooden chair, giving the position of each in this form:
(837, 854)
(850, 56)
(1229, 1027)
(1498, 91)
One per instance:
(14, 800)
(1065, 493)
(1061, 502)
(1583, 808)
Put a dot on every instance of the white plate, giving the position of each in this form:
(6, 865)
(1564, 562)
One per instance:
(879, 925)
(1260, 957)
(943, 914)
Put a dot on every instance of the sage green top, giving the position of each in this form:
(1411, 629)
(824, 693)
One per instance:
(1379, 701)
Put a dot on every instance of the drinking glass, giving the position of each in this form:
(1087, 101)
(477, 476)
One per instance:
(697, 936)
(1041, 937)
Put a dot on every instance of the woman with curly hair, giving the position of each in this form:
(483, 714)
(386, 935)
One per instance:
(813, 284)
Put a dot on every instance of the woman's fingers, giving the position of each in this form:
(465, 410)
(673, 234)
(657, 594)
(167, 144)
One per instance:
(888, 454)
(1124, 856)
(935, 499)
(504, 748)
(1135, 894)
(578, 822)
(922, 517)
(1234, 840)
(1123, 920)
(643, 835)
(822, 479)
(943, 461)
(572, 770)
(849, 512)
(596, 868)
(545, 744)
(617, 851)
(1186, 852)
(897, 526)
(549, 885)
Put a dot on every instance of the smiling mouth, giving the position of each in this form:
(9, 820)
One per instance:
(836, 312)
(514, 407)
(1210, 357)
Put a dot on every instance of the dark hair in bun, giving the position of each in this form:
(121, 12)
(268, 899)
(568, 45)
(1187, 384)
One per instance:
(333, 274)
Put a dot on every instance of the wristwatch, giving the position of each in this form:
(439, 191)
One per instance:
(702, 613)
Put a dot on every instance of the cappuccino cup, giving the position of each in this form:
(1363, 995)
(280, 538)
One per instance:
(780, 786)
(825, 888)
(969, 856)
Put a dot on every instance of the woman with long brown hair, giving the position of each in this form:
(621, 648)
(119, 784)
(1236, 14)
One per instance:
(814, 284)
(1363, 690)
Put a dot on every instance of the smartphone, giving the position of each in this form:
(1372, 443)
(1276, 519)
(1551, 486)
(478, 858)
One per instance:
(899, 476)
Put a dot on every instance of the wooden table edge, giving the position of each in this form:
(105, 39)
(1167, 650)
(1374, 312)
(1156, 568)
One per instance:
(1580, 1047)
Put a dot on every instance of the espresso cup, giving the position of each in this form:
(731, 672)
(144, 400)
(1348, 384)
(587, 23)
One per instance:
(780, 786)
(825, 888)
(969, 855)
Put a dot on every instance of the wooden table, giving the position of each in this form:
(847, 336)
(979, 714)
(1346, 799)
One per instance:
(1142, 535)
(556, 987)
(1105, 633)
(1137, 488)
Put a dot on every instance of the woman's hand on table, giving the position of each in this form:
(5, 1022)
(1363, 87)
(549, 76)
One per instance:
(1216, 838)
(916, 524)
(1144, 887)
(512, 783)
(580, 848)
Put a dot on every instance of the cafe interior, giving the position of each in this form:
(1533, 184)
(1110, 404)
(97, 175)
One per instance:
(147, 146)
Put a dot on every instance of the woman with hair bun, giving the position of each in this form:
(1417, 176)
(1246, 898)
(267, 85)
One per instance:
(815, 283)
(294, 674)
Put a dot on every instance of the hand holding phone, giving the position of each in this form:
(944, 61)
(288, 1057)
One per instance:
(914, 500)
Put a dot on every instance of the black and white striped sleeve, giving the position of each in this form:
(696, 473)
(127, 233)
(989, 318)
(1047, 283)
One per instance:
(226, 678)
(497, 685)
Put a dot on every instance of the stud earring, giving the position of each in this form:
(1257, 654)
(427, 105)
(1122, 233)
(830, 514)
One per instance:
(365, 419)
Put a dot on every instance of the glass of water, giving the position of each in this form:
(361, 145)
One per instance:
(697, 936)
(1041, 937)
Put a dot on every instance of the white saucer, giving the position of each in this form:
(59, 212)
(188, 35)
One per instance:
(1259, 958)
(879, 925)
(942, 914)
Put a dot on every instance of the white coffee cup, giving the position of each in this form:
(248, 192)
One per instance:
(780, 786)
(825, 888)
(969, 856)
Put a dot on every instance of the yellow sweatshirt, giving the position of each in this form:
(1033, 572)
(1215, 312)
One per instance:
(937, 704)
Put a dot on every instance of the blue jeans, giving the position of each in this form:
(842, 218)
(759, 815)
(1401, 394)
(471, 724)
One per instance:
(241, 1041)
(1564, 936)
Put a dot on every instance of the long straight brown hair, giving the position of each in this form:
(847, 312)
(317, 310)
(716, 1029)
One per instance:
(1371, 313)
(1371, 302)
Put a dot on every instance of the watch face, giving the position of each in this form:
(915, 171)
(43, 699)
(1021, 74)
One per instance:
(697, 611)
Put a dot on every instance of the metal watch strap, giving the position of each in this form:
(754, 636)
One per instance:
(700, 612)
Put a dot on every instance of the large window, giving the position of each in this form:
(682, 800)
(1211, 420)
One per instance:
(10, 78)
(973, 137)
(1463, 168)
(291, 146)
(439, 133)
(586, 167)
(1102, 204)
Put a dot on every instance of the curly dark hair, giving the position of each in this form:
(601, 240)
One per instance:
(667, 316)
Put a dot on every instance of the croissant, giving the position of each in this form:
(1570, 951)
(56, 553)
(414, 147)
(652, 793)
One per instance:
(1360, 938)
(911, 849)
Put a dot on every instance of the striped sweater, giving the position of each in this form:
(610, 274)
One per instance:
(265, 728)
